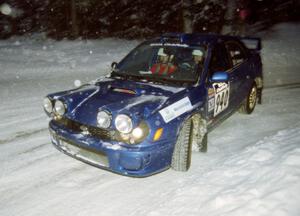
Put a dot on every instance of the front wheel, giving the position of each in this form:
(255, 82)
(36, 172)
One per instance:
(181, 158)
(250, 102)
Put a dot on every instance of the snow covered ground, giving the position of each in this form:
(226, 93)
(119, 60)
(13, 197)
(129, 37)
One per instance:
(252, 166)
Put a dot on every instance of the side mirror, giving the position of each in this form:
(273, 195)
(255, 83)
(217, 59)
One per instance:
(220, 76)
(113, 66)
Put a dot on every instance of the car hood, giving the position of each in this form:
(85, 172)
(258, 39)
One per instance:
(136, 99)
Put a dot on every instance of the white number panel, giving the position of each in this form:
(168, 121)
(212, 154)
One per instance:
(221, 97)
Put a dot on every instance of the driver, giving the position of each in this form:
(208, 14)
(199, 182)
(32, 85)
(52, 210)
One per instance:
(164, 66)
(197, 62)
(197, 56)
(196, 65)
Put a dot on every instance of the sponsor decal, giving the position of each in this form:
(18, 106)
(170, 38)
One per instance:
(169, 44)
(211, 99)
(211, 104)
(211, 92)
(176, 109)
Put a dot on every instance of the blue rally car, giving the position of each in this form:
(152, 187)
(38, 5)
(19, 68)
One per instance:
(158, 103)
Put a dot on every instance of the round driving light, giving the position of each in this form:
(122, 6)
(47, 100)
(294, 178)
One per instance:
(123, 123)
(137, 133)
(59, 107)
(47, 105)
(103, 119)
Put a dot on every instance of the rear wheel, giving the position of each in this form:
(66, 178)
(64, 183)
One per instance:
(250, 102)
(181, 159)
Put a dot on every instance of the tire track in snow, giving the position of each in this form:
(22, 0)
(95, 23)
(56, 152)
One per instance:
(34, 148)
(288, 86)
(69, 176)
(23, 134)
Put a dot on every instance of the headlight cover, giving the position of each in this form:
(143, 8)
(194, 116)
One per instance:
(47, 104)
(59, 107)
(123, 123)
(139, 133)
(104, 119)
(136, 136)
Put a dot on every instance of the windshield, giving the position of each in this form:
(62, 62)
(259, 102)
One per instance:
(165, 63)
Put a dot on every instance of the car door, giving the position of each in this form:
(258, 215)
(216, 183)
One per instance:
(239, 73)
(218, 93)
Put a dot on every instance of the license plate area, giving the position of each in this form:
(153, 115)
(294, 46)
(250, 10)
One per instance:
(97, 158)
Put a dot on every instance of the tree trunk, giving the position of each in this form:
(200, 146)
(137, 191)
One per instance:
(228, 27)
(75, 29)
(187, 16)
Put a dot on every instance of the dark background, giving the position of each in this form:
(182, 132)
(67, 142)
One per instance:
(132, 19)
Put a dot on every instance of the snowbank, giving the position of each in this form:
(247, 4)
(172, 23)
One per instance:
(281, 48)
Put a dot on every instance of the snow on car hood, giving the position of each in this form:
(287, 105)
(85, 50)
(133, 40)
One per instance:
(139, 100)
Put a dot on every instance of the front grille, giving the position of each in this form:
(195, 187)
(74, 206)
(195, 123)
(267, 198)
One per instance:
(81, 128)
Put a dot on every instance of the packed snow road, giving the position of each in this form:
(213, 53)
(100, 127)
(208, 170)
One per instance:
(252, 166)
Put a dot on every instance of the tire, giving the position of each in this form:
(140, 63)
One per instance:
(181, 158)
(248, 105)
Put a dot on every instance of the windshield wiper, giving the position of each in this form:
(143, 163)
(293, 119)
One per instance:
(152, 78)
(170, 81)
(127, 76)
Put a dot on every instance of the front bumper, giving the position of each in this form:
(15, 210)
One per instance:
(137, 161)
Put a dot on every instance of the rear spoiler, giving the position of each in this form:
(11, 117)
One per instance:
(252, 43)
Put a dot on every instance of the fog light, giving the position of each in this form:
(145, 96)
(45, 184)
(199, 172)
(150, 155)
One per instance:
(48, 106)
(123, 123)
(59, 107)
(104, 119)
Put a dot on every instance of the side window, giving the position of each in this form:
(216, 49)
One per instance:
(219, 60)
(236, 53)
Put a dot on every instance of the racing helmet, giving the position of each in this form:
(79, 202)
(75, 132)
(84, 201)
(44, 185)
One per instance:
(197, 52)
(161, 52)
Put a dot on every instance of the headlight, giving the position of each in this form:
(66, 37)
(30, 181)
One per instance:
(137, 135)
(59, 107)
(48, 105)
(103, 119)
(123, 123)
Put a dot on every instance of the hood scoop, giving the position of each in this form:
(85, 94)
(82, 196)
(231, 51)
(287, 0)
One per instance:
(123, 90)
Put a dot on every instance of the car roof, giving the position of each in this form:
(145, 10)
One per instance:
(196, 38)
